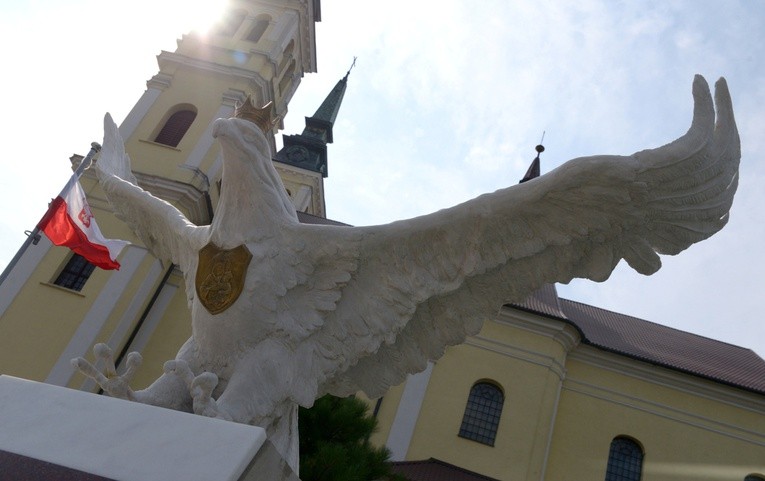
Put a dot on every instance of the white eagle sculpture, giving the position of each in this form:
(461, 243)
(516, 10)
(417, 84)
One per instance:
(336, 309)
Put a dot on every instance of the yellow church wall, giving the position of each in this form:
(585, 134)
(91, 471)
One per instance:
(162, 160)
(44, 314)
(565, 403)
(686, 433)
(40, 320)
(529, 379)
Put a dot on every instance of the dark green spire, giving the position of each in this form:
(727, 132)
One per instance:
(309, 149)
(534, 168)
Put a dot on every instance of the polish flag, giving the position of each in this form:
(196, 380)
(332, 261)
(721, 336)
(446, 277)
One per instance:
(70, 223)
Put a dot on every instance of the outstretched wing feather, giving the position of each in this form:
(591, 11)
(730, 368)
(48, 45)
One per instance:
(162, 228)
(423, 284)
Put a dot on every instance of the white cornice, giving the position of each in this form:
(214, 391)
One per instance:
(190, 199)
(561, 332)
(226, 70)
(161, 81)
(527, 355)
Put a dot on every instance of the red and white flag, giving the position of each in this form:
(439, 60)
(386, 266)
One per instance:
(70, 223)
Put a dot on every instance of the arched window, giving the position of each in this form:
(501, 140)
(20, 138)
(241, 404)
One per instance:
(259, 28)
(625, 460)
(176, 127)
(230, 23)
(481, 419)
(75, 273)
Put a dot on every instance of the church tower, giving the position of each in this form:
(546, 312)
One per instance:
(302, 161)
(54, 306)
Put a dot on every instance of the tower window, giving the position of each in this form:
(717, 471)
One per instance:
(287, 55)
(176, 127)
(625, 460)
(286, 80)
(259, 28)
(481, 419)
(75, 273)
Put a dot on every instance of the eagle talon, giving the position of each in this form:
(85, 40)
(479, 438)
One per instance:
(200, 388)
(113, 384)
(201, 392)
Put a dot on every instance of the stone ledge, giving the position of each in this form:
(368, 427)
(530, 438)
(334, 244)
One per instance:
(110, 438)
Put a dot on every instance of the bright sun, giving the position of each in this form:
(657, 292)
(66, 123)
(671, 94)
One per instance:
(199, 15)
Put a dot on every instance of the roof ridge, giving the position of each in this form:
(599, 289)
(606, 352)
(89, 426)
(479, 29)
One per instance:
(621, 314)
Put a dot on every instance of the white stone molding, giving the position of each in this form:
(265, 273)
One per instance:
(154, 317)
(156, 85)
(402, 429)
(130, 314)
(282, 31)
(206, 140)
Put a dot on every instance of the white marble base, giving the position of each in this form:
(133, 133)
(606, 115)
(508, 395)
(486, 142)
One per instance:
(130, 441)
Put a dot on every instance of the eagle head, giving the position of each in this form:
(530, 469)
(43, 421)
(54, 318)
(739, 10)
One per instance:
(250, 186)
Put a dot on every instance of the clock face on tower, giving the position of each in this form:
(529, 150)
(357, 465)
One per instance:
(297, 153)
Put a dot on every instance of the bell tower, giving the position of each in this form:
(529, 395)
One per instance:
(302, 161)
(261, 48)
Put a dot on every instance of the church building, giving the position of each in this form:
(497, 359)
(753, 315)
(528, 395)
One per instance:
(549, 390)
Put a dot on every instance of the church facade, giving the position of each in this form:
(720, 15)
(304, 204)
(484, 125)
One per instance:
(553, 389)
(549, 390)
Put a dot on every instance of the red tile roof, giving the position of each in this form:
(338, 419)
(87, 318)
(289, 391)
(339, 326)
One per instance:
(435, 470)
(654, 343)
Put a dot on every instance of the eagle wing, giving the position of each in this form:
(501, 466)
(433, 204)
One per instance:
(163, 229)
(394, 296)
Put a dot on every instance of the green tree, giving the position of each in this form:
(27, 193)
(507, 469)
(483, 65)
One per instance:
(334, 443)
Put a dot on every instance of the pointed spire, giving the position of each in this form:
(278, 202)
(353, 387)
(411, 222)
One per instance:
(534, 168)
(320, 125)
(309, 149)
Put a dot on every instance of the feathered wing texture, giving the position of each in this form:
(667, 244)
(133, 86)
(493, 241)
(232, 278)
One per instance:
(422, 284)
(163, 229)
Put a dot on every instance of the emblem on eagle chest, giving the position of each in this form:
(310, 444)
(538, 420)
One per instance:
(220, 276)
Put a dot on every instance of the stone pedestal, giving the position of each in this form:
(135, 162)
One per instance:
(50, 432)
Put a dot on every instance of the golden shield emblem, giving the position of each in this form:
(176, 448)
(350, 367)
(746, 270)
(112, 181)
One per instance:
(220, 276)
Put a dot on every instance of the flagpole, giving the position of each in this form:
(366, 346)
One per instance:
(33, 237)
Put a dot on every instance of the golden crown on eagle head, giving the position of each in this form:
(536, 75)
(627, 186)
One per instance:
(262, 117)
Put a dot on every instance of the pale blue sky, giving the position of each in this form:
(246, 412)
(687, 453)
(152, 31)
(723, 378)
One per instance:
(446, 102)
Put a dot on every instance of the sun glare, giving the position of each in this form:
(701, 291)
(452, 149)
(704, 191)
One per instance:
(199, 15)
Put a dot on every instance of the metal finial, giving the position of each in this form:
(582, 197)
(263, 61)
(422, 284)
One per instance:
(540, 148)
(352, 65)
